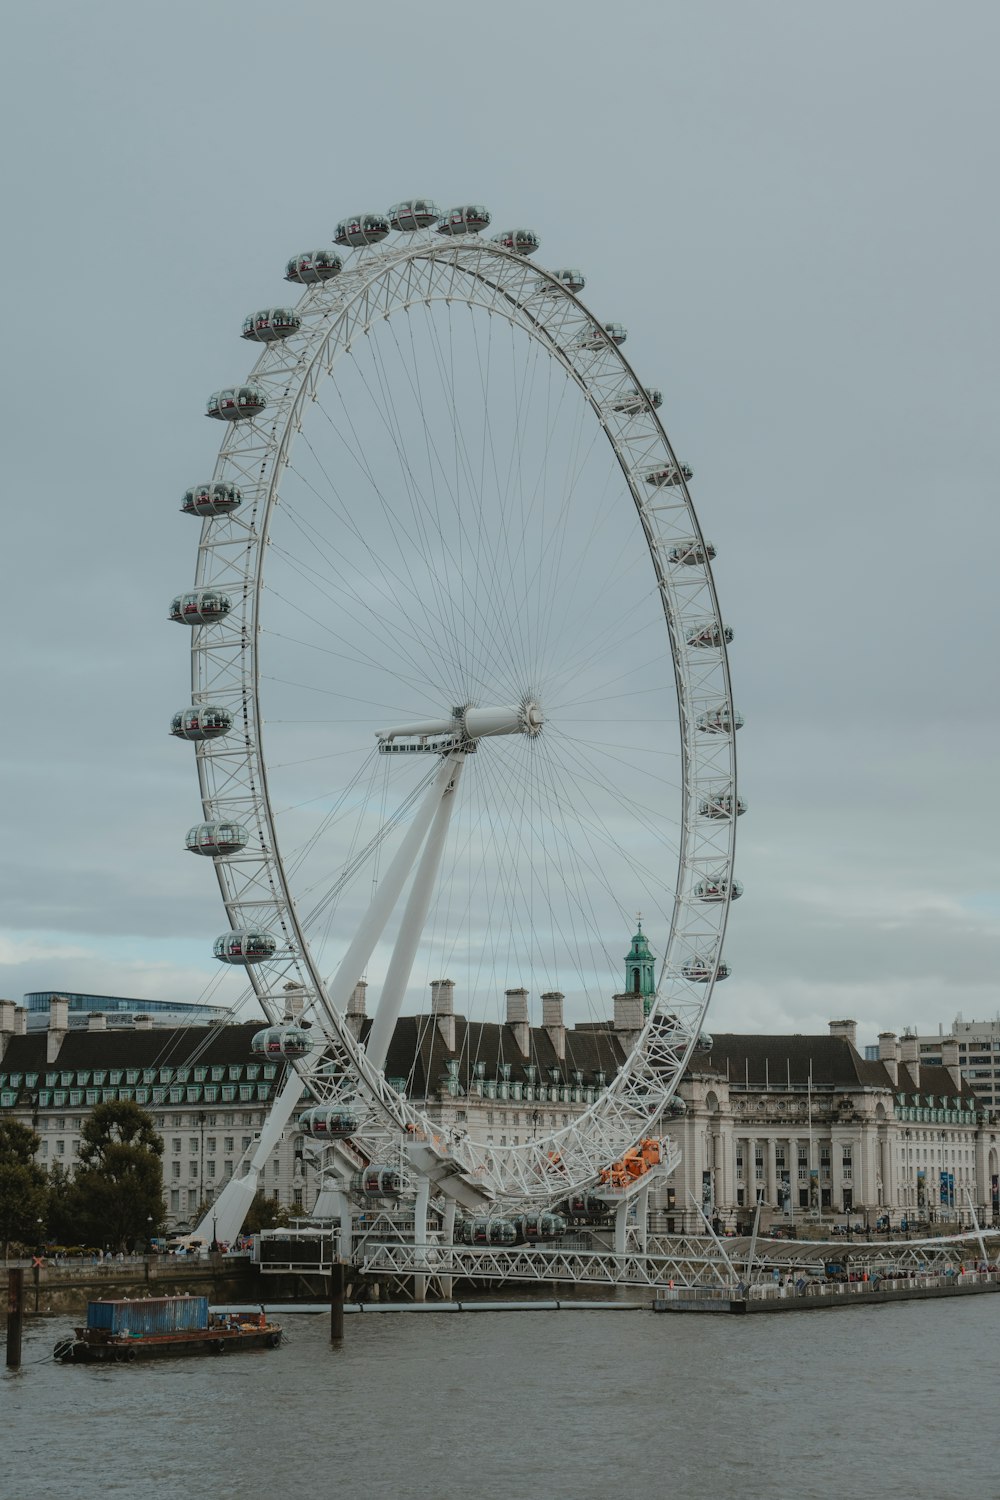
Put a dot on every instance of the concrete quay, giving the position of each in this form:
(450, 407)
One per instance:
(840, 1294)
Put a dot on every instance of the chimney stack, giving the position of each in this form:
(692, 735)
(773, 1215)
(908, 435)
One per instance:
(142, 1023)
(58, 1027)
(847, 1029)
(295, 1000)
(356, 1007)
(628, 1017)
(909, 1055)
(443, 1010)
(949, 1059)
(888, 1054)
(7, 1009)
(517, 1019)
(552, 1020)
(97, 1021)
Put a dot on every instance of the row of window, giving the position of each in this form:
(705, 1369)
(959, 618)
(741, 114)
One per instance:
(208, 1093)
(97, 1077)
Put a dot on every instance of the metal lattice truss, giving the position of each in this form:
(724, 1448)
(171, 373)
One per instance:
(233, 771)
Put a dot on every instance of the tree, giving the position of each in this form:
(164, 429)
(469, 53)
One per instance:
(118, 1188)
(22, 1185)
(265, 1213)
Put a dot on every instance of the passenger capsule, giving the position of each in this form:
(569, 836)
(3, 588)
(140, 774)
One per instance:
(326, 1123)
(710, 633)
(590, 339)
(211, 500)
(699, 970)
(521, 241)
(245, 947)
(586, 1206)
(675, 1107)
(379, 1182)
(311, 266)
(705, 1041)
(200, 607)
(635, 401)
(281, 1041)
(716, 888)
(534, 1227)
(215, 839)
(463, 1232)
(271, 324)
(415, 213)
(202, 721)
(720, 806)
(668, 474)
(692, 553)
(574, 281)
(361, 229)
(494, 1232)
(469, 219)
(237, 403)
(719, 721)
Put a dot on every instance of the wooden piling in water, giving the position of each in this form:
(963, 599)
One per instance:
(337, 1302)
(15, 1316)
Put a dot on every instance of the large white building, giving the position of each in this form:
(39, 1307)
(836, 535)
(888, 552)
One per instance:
(803, 1123)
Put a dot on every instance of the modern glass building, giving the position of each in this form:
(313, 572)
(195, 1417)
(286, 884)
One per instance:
(119, 1010)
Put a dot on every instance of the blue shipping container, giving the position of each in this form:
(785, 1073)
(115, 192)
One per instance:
(151, 1315)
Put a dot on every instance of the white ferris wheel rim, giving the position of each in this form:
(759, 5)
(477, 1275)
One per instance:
(225, 668)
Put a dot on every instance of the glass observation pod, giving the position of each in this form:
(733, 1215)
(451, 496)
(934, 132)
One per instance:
(616, 332)
(670, 475)
(636, 401)
(715, 887)
(415, 213)
(361, 229)
(310, 266)
(469, 219)
(211, 500)
(237, 403)
(676, 1107)
(692, 554)
(202, 721)
(541, 1226)
(200, 607)
(213, 839)
(699, 970)
(463, 1232)
(574, 281)
(245, 947)
(521, 241)
(720, 806)
(271, 324)
(705, 1041)
(718, 721)
(326, 1124)
(379, 1182)
(494, 1232)
(710, 633)
(584, 1205)
(281, 1041)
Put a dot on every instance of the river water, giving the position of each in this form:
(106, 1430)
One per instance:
(883, 1401)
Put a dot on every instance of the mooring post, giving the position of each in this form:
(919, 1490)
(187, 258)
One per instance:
(337, 1302)
(15, 1316)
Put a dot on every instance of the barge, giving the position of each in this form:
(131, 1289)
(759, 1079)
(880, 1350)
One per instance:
(151, 1328)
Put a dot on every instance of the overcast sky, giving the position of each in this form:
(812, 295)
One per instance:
(793, 209)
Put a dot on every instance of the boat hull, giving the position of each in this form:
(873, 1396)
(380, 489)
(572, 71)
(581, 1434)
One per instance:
(90, 1347)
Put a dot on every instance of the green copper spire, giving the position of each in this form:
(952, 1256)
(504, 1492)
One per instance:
(640, 966)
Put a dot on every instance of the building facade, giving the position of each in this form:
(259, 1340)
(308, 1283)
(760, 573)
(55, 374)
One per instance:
(803, 1124)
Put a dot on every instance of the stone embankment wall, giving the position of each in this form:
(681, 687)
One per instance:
(66, 1287)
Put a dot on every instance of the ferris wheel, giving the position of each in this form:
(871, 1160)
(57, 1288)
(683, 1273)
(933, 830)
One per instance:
(460, 694)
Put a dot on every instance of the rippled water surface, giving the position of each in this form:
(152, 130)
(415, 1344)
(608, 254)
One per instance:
(887, 1401)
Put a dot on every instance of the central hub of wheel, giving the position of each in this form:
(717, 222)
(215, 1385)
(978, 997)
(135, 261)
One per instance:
(467, 725)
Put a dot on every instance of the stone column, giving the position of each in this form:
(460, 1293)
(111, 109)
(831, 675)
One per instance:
(770, 1172)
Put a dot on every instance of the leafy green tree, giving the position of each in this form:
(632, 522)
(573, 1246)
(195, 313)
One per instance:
(265, 1213)
(118, 1187)
(23, 1197)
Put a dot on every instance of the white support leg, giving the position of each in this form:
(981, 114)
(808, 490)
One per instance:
(448, 1237)
(412, 925)
(621, 1227)
(420, 1236)
(355, 960)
